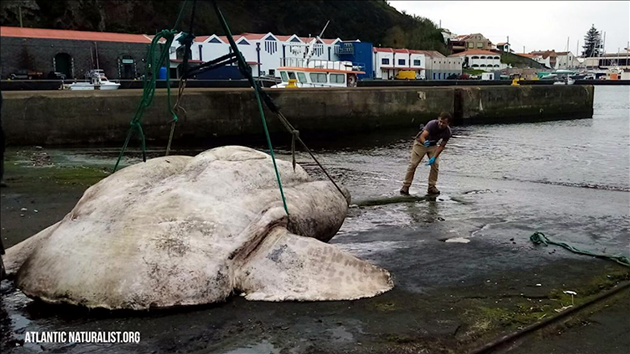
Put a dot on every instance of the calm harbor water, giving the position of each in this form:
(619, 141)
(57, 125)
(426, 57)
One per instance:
(570, 178)
(583, 152)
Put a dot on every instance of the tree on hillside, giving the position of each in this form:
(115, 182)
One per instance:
(395, 37)
(424, 34)
(592, 43)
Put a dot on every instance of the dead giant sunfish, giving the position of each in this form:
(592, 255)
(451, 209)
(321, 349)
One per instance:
(181, 230)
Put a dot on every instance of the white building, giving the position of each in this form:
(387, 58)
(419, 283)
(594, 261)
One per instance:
(428, 64)
(384, 64)
(566, 60)
(481, 59)
(448, 36)
(609, 60)
(263, 52)
(504, 47)
(388, 62)
(440, 67)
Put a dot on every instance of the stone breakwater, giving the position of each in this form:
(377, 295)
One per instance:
(86, 117)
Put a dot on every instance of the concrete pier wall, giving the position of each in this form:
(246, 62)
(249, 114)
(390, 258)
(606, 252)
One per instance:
(84, 117)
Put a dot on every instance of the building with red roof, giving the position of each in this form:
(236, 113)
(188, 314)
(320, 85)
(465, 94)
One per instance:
(72, 53)
(427, 64)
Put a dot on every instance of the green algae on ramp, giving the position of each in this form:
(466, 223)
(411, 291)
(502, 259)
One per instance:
(522, 310)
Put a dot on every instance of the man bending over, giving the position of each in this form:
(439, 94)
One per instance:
(426, 143)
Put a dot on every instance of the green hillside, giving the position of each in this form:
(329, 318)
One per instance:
(371, 20)
(518, 61)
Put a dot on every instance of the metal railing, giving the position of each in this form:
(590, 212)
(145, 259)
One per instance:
(316, 63)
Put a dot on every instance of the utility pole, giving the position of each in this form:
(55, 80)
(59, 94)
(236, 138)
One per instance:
(567, 52)
(577, 48)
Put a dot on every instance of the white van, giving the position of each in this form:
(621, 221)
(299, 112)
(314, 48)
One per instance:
(487, 76)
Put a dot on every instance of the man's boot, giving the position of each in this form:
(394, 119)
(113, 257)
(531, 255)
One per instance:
(433, 190)
(404, 190)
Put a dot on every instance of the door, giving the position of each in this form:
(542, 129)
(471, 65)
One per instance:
(128, 67)
(63, 64)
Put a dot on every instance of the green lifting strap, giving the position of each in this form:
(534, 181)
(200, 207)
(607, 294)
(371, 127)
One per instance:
(244, 68)
(539, 238)
(149, 82)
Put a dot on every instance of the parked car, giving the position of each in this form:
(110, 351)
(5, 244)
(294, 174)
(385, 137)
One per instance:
(24, 74)
(55, 75)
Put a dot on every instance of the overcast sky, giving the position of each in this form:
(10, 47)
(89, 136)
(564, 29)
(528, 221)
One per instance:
(537, 25)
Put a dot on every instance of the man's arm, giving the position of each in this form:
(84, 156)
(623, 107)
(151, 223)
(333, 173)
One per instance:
(423, 137)
(439, 150)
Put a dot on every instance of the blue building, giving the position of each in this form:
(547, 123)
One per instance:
(360, 54)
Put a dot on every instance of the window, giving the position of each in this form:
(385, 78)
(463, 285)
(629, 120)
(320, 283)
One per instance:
(401, 61)
(416, 62)
(291, 75)
(214, 40)
(318, 78)
(475, 66)
(483, 57)
(302, 78)
(337, 78)
(272, 72)
(475, 57)
(496, 65)
(471, 45)
(479, 44)
(243, 42)
(385, 61)
(284, 76)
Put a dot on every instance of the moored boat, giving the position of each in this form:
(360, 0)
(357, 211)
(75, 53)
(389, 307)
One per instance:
(96, 81)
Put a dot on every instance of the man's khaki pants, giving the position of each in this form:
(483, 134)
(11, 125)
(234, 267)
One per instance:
(417, 153)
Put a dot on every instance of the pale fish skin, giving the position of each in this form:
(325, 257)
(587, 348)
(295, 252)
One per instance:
(182, 230)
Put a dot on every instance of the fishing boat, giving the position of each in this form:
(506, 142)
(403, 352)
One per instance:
(96, 80)
(317, 73)
(564, 77)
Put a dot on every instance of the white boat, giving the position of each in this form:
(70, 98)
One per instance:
(317, 73)
(96, 81)
(563, 77)
(567, 81)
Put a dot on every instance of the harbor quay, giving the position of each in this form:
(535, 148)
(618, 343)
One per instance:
(102, 117)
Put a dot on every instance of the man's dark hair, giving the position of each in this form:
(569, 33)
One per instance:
(446, 115)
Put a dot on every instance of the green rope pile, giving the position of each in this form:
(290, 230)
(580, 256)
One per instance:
(540, 238)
